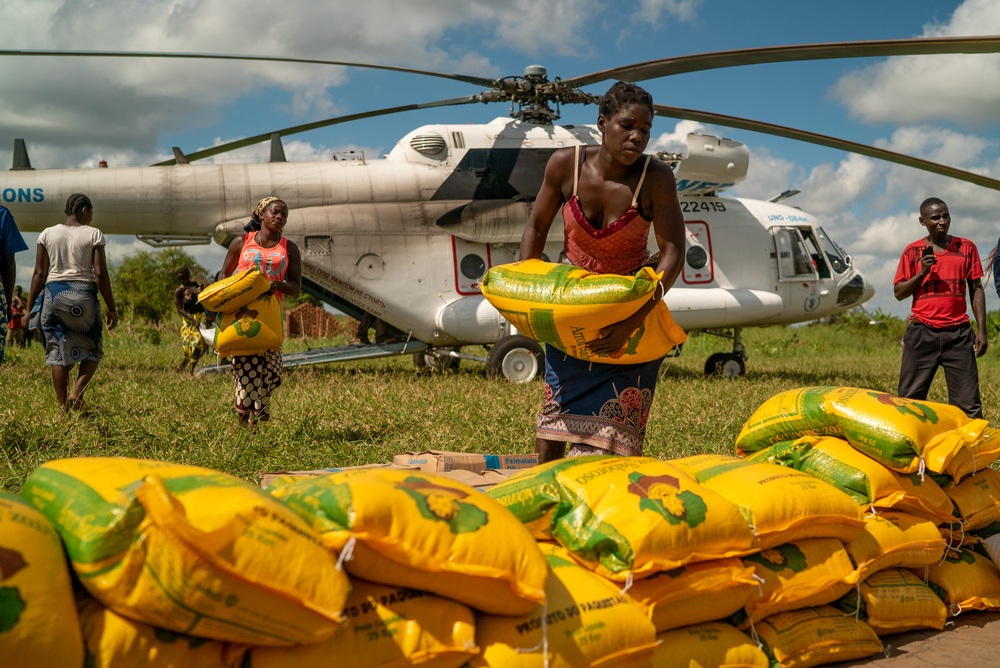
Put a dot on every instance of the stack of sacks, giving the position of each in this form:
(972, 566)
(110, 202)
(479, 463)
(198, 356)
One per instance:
(191, 550)
(411, 530)
(671, 535)
(905, 435)
(920, 471)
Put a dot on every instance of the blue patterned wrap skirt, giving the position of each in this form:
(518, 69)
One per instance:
(71, 322)
(600, 408)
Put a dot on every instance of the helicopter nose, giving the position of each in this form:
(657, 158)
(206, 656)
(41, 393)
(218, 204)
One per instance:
(855, 291)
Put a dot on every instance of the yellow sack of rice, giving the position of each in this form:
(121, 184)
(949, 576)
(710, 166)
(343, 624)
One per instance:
(191, 550)
(38, 620)
(250, 330)
(816, 636)
(423, 531)
(566, 306)
(895, 600)
(977, 456)
(386, 627)
(780, 504)
(626, 517)
(895, 539)
(708, 645)
(965, 580)
(977, 499)
(868, 482)
(234, 292)
(897, 432)
(114, 641)
(586, 622)
(802, 574)
(702, 592)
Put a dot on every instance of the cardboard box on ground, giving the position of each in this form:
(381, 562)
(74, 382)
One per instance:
(475, 470)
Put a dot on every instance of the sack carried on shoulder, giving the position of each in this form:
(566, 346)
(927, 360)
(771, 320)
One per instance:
(233, 293)
(253, 329)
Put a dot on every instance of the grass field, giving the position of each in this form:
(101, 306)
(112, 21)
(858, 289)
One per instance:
(349, 414)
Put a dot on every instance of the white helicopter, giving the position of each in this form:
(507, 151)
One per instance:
(407, 238)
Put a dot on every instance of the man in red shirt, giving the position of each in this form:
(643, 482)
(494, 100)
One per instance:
(936, 271)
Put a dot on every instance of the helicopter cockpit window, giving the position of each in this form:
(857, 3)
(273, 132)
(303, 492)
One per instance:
(793, 258)
(838, 258)
(473, 266)
(819, 261)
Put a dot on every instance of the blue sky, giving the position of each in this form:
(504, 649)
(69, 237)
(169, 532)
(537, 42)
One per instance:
(74, 112)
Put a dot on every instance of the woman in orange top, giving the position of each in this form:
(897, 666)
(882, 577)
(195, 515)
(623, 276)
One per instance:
(263, 246)
(610, 196)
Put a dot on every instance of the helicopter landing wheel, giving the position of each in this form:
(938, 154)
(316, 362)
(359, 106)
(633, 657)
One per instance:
(436, 360)
(517, 358)
(725, 365)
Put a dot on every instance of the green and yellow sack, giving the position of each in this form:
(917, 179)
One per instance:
(708, 645)
(895, 600)
(114, 641)
(965, 580)
(892, 539)
(250, 330)
(626, 517)
(816, 636)
(802, 574)
(566, 306)
(701, 592)
(191, 550)
(862, 478)
(587, 622)
(234, 292)
(977, 499)
(424, 531)
(386, 627)
(779, 503)
(905, 435)
(38, 619)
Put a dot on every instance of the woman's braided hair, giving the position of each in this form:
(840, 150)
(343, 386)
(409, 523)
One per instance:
(76, 203)
(622, 95)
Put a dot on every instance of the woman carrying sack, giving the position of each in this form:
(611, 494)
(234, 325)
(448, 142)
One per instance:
(258, 374)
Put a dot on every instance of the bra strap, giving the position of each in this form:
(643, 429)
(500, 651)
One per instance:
(576, 170)
(635, 197)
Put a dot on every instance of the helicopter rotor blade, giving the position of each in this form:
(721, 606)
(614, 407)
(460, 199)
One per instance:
(825, 140)
(477, 81)
(783, 54)
(295, 129)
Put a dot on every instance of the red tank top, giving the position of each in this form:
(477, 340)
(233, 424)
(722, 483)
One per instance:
(272, 262)
(618, 248)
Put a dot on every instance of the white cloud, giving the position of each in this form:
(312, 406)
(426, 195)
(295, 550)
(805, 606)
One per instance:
(767, 176)
(829, 189)
(917, 89)
(675, 141)
(683, 10)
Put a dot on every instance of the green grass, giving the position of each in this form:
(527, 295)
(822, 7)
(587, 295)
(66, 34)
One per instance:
(366, 412)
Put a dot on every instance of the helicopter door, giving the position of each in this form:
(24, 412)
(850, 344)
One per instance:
(798, 279)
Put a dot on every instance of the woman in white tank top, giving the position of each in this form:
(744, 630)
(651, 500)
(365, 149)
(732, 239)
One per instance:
(70, 270)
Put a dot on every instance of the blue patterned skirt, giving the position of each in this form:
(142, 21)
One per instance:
(602, 408)
(71, 322)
